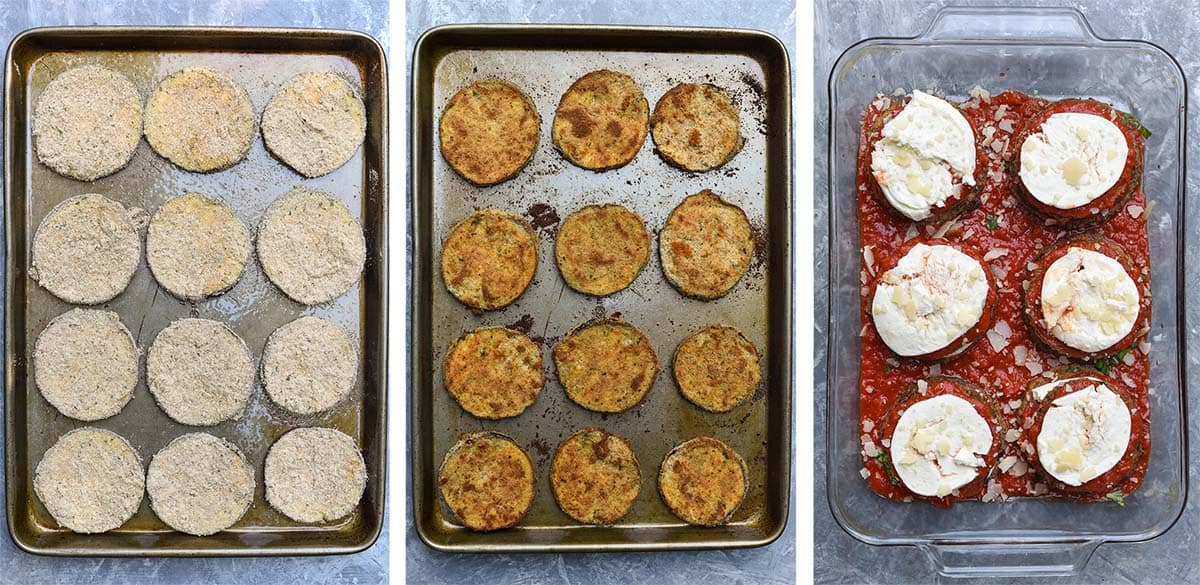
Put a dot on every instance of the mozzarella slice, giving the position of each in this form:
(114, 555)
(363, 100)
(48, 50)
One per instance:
(1041, 392)
(933, 296)
(1084, 434)
(921, 151)
(1074, 159)
(1089, 302)
(938, 445)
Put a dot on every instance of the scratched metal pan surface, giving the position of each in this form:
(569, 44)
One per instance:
(543, 61)
(260, 60)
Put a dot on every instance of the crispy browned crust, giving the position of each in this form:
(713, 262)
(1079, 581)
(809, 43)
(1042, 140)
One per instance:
(595, 476)
(606, 365)
(703, 481)
(706, 246)
(985, 404)
(489, 259)
(489, 132)
(716, 368)
(494, 372)
(1034, 413)
(962, 343)
(601, 249)
(1033, 295)
(695, 127)
(486, 481)
(601, 121)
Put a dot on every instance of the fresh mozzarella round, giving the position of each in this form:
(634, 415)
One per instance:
(921, 150)
(1074, 159)
(1089, 302)
(933, 296)
(938, 445)
(1084, 434)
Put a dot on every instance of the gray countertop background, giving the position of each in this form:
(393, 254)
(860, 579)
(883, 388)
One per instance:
(1173, 557)
(369, 567)
(773, 564)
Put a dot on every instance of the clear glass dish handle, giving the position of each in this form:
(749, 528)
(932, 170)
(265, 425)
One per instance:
(1006, 24)
(1010, 560)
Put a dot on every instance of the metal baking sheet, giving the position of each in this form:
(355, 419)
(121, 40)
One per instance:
(543, 61)
(261, 60)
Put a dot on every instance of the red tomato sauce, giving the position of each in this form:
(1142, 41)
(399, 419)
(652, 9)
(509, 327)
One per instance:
(1008, 356)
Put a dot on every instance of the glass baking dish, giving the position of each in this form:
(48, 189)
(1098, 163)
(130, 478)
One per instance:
(1051, 53)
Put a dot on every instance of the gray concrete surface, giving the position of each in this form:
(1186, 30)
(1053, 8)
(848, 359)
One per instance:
(1171, 558)
(773, 564)
(369, 567)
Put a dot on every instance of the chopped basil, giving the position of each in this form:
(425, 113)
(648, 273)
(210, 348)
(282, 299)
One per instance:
(886, 462)
(1116, 496)
(993, 221)
(1132, 121)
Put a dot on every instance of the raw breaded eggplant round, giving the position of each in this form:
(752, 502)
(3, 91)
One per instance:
(310, 246)
(695, 127)
(601, 249)
(90, 481)
(716, 368)
(489, 259)
(85, 364)
(606, 365)
(200, 484)
(486, 481)
(86, 250)
(595, 476)
(706, 246)
(489, 132)
(494, 372)
(601, 121)
(703, 481)
(195, 246)
(1086, 298)
(314, 475)
(314, 123)
(309, 365)
(199, 372)
(200, 120)
(87, 123)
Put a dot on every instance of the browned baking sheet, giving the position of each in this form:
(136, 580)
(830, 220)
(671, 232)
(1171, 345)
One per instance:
(543, 61)
(261, 60)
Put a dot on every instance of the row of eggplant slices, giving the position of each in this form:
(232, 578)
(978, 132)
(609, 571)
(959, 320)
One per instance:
(488, 133)
(87, 124)
(1079, 162)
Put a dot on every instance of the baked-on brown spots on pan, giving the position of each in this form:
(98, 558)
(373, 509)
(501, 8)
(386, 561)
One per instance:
(489, 258)
(200, 120)
(494, 372)
(85, 250)
(706, 246)
(87, 123)
(606, 365)
(703, 481)
(90, 481)
(601, 121)
(595, 476)
(486, 481)
(716, 368)
(488, 132)
(695, 127)
(601, 249)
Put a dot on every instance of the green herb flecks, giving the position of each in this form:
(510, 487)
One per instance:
(886, 463)
(992, 222)
(1106, 364)
(1132, 121)
(1116, 496)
